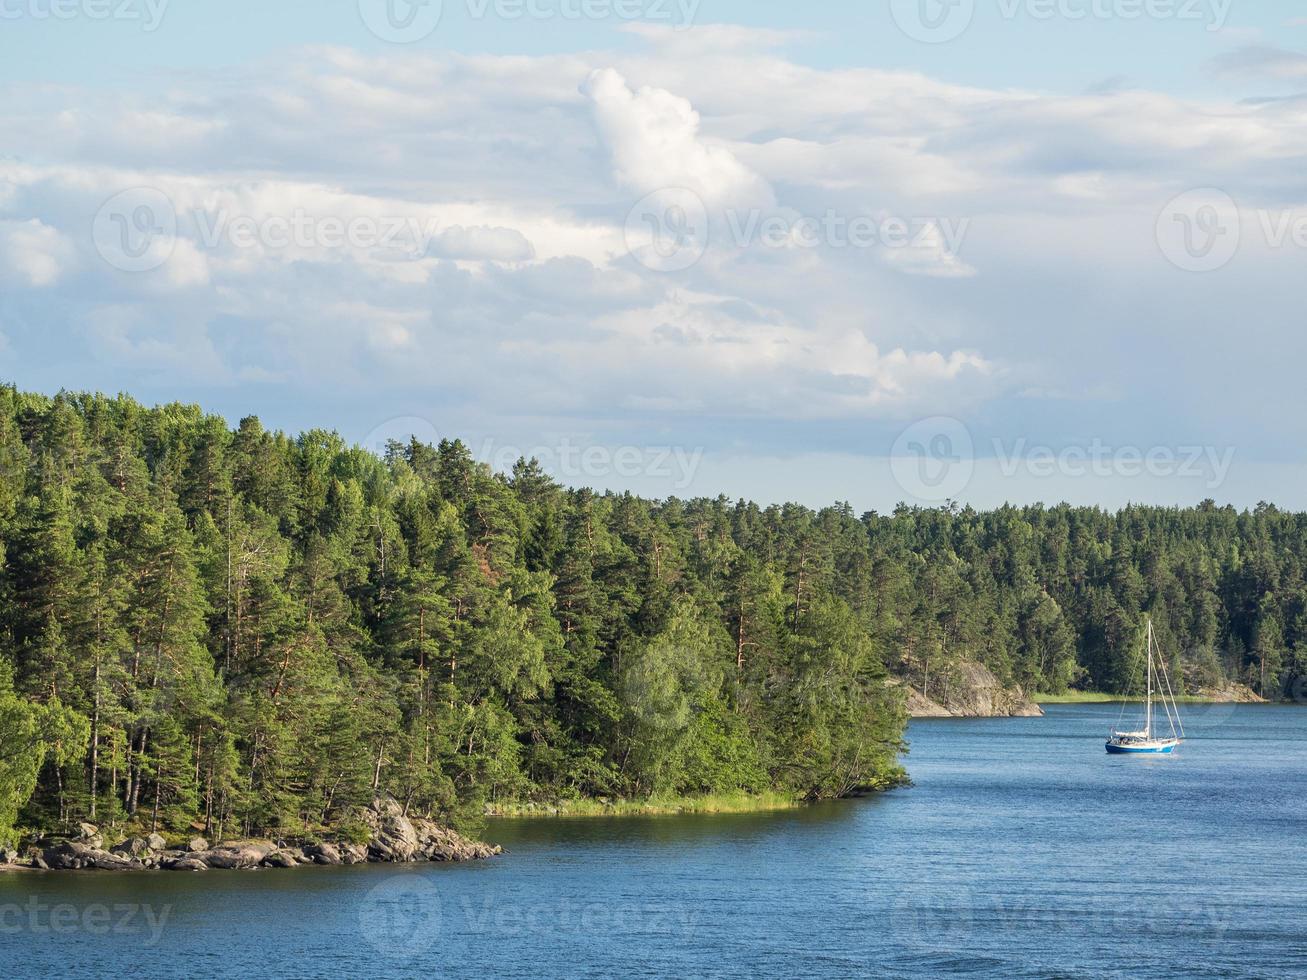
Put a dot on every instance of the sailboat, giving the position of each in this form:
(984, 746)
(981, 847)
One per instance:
(1148, 741)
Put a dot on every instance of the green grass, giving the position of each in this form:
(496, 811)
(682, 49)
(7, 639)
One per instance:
(724, 803)
(1097, 697)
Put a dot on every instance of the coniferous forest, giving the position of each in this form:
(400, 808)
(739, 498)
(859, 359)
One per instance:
(256, 632)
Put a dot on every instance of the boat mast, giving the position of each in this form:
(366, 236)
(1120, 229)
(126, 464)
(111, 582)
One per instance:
(1148, 716)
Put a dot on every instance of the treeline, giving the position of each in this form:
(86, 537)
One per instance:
(257, 632)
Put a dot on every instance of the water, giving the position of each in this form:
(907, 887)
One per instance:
(1024, 850)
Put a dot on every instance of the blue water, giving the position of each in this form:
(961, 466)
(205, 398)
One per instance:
(1023, 850)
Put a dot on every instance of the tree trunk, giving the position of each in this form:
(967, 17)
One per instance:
(94, 780)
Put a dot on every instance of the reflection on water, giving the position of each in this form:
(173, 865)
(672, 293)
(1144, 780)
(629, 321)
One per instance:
(679, 831)
(1023, 850)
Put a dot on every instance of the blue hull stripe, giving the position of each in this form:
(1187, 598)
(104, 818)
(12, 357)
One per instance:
(1127, 750)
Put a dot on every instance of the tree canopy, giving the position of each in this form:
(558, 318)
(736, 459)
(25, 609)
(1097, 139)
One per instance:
(255, 631)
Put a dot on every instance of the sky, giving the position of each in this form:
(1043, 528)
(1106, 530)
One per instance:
(891, 251)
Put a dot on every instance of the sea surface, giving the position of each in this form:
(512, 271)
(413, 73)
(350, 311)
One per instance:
(1022, 850)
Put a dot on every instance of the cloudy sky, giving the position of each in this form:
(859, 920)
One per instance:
(911, 250)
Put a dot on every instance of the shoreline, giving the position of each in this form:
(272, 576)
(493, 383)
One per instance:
(1096, 697)
(393, 838)
(658, 806)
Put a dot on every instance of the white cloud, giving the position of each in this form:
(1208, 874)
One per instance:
(655, 142)
(527, 303)
(37, 253)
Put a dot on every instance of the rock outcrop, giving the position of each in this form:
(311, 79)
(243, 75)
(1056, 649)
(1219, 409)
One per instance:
(394, 837)
(970, 690)
(76, 855)
(1231, 693)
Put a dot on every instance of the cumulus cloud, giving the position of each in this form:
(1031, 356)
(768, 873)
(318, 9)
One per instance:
(510, 289)
(34, 253)
(655, 143)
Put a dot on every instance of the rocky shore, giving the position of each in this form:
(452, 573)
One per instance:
(393, 838)
(970, 691)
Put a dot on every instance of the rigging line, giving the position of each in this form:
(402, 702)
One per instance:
(1161, 663)
(1167, 677)
(1125, 701)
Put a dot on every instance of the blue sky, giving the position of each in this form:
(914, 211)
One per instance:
(1049, 256)
(1032, 49)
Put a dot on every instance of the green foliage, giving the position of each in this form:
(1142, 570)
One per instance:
(31, 734)
(260, 633)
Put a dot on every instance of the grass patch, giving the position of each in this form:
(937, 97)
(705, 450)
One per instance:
(1075, 697)
(1097, 697)
(657, 805)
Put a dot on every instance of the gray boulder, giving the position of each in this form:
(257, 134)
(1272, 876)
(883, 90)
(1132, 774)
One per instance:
(132, 847)
(353, 853)
(196, 845)
(185, 864)
(77, 855)
(89, 834)
(281, 859)
(237, 855)
(437, 843)
(323, 854)
(155, 842)
(393, 836)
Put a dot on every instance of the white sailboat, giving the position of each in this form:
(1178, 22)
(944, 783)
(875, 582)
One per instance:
(1147, 741)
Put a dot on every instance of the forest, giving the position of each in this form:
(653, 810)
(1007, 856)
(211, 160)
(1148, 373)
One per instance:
(250, 631)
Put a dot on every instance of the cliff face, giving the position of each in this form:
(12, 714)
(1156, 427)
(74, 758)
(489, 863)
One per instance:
(1231, 692)
(971, 691)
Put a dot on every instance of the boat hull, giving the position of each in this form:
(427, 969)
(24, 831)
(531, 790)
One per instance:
(1148, 748)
